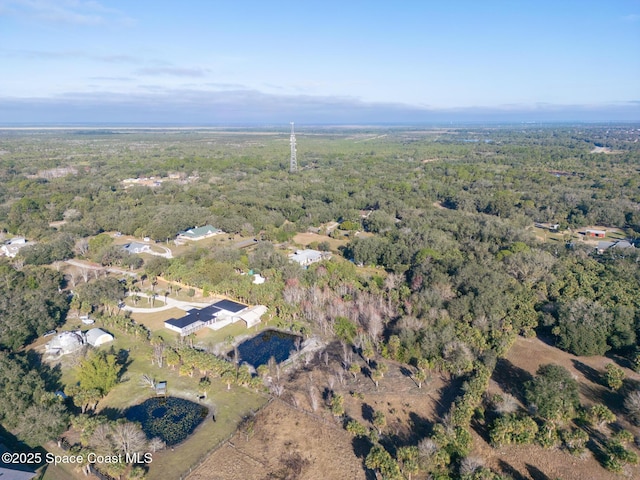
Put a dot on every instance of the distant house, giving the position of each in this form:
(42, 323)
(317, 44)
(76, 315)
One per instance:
(619, 245)
(215, 316)
(258, 279)
(136, 247)
(96, 337)
(13, 246)
(199, 233)
(307, 257)
(596, 233)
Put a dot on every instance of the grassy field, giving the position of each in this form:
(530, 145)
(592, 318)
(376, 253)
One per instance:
(155, 320)
(230, 407)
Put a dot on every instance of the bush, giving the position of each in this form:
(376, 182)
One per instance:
(513, 429)
(614, 376)
(575, 440)
(547, 435)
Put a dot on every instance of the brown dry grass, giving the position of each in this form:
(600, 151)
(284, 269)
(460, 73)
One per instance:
(527, 461)
(284, 434)
(308, 237)
(285, 441)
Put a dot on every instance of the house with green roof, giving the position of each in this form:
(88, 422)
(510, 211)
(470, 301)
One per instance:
(199, 233)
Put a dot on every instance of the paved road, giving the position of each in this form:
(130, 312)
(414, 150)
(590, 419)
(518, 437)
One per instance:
(95, 266)
(171, 303)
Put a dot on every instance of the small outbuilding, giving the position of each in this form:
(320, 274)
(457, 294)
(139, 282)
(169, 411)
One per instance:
(96, 337)
(252, 315)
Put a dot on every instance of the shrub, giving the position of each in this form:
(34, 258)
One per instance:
(614, 376)
(513, 429)
(575, 440)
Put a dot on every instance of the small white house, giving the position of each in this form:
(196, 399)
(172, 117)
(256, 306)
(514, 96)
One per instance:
(307, 256)
(12, 246)
(136, 247)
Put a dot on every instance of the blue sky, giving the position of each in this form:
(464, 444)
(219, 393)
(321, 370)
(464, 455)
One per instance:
(318, 61)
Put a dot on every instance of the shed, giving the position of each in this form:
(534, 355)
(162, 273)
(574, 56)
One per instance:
(96, 337)
(161, 389)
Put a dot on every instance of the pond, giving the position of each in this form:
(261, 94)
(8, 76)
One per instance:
(169, 418)
(269, 343)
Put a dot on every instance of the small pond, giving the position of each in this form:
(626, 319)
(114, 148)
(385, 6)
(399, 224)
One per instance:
(170, 418)
(269, 343)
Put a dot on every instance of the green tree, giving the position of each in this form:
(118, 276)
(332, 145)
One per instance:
(553, 393)
(337, 405)
(100, 371)
(583, 327)
(614, 376)
(379, 421)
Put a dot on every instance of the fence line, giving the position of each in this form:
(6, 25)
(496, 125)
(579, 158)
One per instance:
(216, 446)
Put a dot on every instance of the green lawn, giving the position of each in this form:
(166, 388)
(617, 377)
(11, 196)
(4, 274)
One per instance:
(230, 406)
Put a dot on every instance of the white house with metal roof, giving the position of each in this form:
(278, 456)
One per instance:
(199, 233)
(307, 256)
(215, 317)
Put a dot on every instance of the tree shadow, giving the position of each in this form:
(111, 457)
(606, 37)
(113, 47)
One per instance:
(589, 373)
(536, 473)
(111, 413)
(361, 448)
(51, 375)
(509, 470)
(511, 378)
(420, 427)
(448, 394)
(482, 429)
(367, 412)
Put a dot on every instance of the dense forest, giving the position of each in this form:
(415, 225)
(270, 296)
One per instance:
(474, 236)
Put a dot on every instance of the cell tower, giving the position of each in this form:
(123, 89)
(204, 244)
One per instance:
(293, 163)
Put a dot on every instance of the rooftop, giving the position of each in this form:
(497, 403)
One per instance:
(197, 232)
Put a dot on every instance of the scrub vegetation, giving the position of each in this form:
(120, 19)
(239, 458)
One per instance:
(449, 247)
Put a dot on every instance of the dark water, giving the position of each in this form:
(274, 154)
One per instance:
(270, 343)
(170, 418)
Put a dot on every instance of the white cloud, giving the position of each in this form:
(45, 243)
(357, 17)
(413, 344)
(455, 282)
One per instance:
(71, 12)
(173, 71)
(157, 104)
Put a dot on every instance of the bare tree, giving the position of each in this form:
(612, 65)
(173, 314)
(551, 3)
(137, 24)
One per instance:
(82, 247)
(313, 397)
(332, 382)
(156, 444)
(148, 381)
(128, 438)
(84, 271)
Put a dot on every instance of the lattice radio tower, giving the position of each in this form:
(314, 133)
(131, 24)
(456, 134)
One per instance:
(293, 163)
